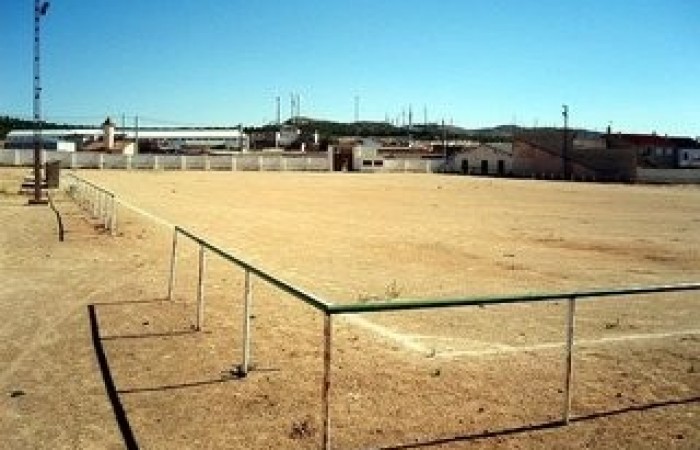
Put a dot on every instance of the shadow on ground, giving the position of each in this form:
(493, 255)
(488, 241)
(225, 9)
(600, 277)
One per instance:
(540, 426)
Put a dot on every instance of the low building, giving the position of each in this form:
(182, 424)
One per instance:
(551, 154)
(65, 140)
(655, 151)
(494, 158)
(108, 138)
(689, 157)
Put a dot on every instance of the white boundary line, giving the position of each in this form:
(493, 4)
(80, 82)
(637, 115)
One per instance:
(504, 349)
(145, 213)
(404, 340)
(410, 342)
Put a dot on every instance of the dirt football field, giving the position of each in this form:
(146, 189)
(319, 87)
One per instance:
(95, 356)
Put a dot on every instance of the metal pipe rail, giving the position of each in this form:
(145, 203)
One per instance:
(407, 304)
(91, 184)
(413, 304)
(329, 310)
(101, 203)
(285, 286)
(249, 269)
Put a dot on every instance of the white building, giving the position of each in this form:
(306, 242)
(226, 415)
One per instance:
(689, 157)
(70, 140)
(61, 140)
(485, 159)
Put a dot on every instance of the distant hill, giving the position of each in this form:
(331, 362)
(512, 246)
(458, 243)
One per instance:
(332, 130)
(8, 124)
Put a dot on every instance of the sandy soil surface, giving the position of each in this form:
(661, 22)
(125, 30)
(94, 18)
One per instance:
(351, 238)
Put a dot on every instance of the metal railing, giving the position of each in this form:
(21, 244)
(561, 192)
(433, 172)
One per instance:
(569, 324)
(98, 201)
(249, 270)
(96, 198)
(329, 310)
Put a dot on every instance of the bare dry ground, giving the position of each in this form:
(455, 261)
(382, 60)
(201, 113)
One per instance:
(455, 378)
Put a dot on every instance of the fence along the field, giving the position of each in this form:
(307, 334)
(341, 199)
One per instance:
(99, 202)
(249, 270)
(329, 310)
(254, 161)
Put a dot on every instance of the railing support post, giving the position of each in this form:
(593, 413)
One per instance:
(114, 215)
(248, 300)
(570, 322)
(200, 289)
(103, 209)
(325, 399)
(173, 257)
(99, 205)
(95, 203)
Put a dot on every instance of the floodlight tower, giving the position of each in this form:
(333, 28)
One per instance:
(565, 166)
(40, 8)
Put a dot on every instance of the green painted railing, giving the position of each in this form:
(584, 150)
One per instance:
(285, 286)
(408, 304)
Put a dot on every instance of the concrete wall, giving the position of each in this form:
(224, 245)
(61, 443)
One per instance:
(317, 162)
(676, 176)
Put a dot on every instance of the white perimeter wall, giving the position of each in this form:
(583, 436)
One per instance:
(244, 161)
(678, 176)
(318, 162)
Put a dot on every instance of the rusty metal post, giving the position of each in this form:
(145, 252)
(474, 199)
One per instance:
(115, 207)
(200, 289)
(325, 399)
(570, 322)
(248, 300)
(94, 200)
(173, 260)
(101, 208)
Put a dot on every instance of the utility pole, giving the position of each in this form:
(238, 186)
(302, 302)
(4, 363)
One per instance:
(279, 116)
(40, 8)
(136, 134)
(444, 145)
(565, 165)
(410, 123)
(292, 107)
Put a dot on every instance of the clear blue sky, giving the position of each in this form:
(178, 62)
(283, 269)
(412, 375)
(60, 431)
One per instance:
(633, 63)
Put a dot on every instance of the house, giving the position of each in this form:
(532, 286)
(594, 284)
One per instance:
(689, 157)
(655, 151)
(552, 154)
(495, 158)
